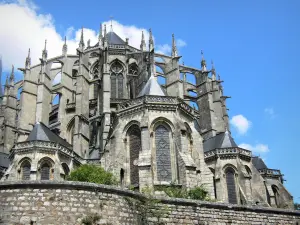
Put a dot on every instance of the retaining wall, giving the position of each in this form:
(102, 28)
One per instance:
(46, 203)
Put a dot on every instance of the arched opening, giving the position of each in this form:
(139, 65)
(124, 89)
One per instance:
(134, 136)
(116, 79)
(194, 105)
(231, 187)
(214, 182)
(70, 131)
(161, 80)
(19, 93)
(122, 173)
(57, 79)
(163, 154)
(55, 100)
(276, 194)
(190, 78)
(66, 170)
(189, 138)
(192, 93)
(25, 170)
(45, 171)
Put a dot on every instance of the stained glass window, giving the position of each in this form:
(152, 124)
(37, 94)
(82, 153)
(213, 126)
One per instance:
(116, 80)
(231, 189)
(163, 157)
(135, 148)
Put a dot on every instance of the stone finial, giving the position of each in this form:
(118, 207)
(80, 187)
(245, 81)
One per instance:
(213, 71)
(151, 43)
(65, 47)
(143, 43)
(174, 48)
(81, 43)
(12, 75)
(45, 52)
(203, 62)
(28, 60)
(89, 43)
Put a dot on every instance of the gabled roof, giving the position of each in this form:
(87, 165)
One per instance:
(152, 87)
(258, 163)
(221, 140)
(114, 39)
(41, 132)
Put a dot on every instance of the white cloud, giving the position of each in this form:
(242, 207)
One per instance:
(270, 112)
(241, 123)
(258, 148)
(180, 43)
(163, 49)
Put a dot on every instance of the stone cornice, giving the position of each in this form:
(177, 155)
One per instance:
(228, 153)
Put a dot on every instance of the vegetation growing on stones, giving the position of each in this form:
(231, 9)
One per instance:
(90, 219)
(92, 174)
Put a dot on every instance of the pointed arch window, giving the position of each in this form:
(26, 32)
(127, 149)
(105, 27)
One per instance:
(26, 167)
(134, 135)
(133, 71)
(163, 156)
(45, 171)
(116, 78)
(231, 187)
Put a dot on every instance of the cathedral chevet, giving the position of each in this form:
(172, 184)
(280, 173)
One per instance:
(109, 109)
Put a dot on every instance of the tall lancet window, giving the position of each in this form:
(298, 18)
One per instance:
(95, 74)
(116, 78)
(25, 168)
(163, 156)
(45, 171)
(134, 135)
(231, 189)
(133, 72)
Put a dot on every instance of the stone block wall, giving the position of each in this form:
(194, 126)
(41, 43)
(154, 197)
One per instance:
(46, 203)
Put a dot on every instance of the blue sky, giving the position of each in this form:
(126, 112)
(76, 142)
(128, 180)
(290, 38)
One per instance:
(254, 45)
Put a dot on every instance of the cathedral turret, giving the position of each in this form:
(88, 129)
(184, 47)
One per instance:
(105, 42)
(174, 48)
(143, 43)
(12, 77)
(65, 47)
(213, 71)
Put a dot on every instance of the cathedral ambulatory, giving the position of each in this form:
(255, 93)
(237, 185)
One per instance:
(108, 108)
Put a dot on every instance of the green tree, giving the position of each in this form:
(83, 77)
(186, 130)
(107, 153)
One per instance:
(92, 174)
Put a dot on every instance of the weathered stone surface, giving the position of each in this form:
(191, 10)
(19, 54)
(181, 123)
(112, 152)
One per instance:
(71, 202)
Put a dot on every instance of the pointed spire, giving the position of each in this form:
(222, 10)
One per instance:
(45, 53)
(105, 37)
(65, 47)
(203, 62)
(28, 61)
(143, 43)
(12, 76)
(213, 71)
(151, 43)
(174, 48)
(81, 43)
(219, 78)
(100, 37)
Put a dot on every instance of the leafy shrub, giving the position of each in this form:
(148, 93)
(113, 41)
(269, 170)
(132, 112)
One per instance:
(92, 174)
(90, 219)
(197, 193)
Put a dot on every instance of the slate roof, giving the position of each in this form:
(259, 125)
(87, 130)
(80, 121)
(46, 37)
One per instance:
(152, 87)
(258, 163)
(114, 39)
(221, 140)
(4, 160)
(41, 132)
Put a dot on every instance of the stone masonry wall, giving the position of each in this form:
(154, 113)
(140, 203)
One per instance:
(46, 203)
